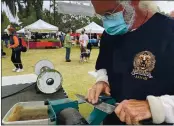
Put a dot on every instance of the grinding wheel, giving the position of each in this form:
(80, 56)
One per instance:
(49, 81)
(43, 65)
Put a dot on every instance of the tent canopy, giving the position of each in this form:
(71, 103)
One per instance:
(41, 26)
(91, 28)
(21, 31)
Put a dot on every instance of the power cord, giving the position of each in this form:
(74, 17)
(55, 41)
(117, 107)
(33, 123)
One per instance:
(19, 91)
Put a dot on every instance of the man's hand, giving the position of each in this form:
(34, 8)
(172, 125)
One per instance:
(133, 111)
(96, 90)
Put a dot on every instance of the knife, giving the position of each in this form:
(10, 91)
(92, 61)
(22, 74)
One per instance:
(107, 108)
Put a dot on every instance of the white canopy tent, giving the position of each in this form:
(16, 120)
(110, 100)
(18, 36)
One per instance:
(21, 31)
(91, 28)
(41, 26)
(5, 30)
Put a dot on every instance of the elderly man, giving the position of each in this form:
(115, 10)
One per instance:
(136, 62)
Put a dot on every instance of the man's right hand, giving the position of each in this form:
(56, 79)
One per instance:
(96, 90)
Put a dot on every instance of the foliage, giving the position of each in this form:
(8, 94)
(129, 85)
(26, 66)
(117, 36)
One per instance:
(48, 40)
(36, 4)
(11, 5)
(27, 17)
(96, 20)
(16, 26)
(66, 21)
(31, 10)
(4, 21)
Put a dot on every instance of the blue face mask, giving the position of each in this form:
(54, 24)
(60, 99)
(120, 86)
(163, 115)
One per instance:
(114, 24)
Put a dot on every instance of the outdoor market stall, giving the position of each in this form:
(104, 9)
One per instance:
(92, 29)
(41, 26)
(21, 31)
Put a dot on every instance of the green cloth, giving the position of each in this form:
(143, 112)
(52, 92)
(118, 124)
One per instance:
(68, 43)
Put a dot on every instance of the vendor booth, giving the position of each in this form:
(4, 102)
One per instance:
(40, 27)
(93, 30)
(21, 31)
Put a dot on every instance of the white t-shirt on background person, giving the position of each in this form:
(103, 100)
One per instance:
(84, 40)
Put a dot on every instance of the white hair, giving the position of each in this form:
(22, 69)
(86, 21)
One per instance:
(130, 13)
(149, 5)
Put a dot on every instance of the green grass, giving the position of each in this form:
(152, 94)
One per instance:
(75, 75)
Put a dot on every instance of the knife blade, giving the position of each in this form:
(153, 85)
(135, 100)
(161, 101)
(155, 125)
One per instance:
(107, 108)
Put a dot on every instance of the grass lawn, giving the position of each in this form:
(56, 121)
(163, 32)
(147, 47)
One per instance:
(75, 75)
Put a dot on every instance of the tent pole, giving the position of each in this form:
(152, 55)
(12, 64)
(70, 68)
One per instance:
(28, 44)
(90, 34)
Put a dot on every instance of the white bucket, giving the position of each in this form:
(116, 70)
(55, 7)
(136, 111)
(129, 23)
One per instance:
(34, 105)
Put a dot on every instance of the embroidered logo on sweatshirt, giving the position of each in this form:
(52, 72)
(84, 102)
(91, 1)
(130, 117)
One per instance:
(144, 63)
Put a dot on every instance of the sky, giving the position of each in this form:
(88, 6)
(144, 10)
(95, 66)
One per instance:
(166, 6)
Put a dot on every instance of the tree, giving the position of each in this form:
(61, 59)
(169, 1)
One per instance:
(11, 5)
(30, 18)
(4, 21)
(96, 20)
(38, 7)
(66, 21)
(37, 4)
(16, 26)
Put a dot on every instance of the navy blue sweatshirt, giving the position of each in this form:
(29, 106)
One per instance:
(139, 63)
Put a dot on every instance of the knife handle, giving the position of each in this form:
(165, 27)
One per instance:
(104, 97)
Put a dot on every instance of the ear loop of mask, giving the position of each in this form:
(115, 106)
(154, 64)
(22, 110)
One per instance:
(110, 13)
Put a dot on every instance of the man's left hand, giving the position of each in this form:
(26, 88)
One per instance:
(133, 111)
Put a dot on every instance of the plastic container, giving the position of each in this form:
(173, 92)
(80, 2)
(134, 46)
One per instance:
(34, 105)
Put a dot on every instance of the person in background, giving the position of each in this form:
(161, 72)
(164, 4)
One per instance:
(89, 48)
(83, 42)
(6, 39)
(68, 45)
(16, 52)
(3, 54)
(95, 36)
(62, 38)
(135, 65)
(83, 39)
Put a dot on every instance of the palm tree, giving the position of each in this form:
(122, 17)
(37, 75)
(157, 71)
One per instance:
(11, 5)
(37, 4)
(38, 7)
(54, 3)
